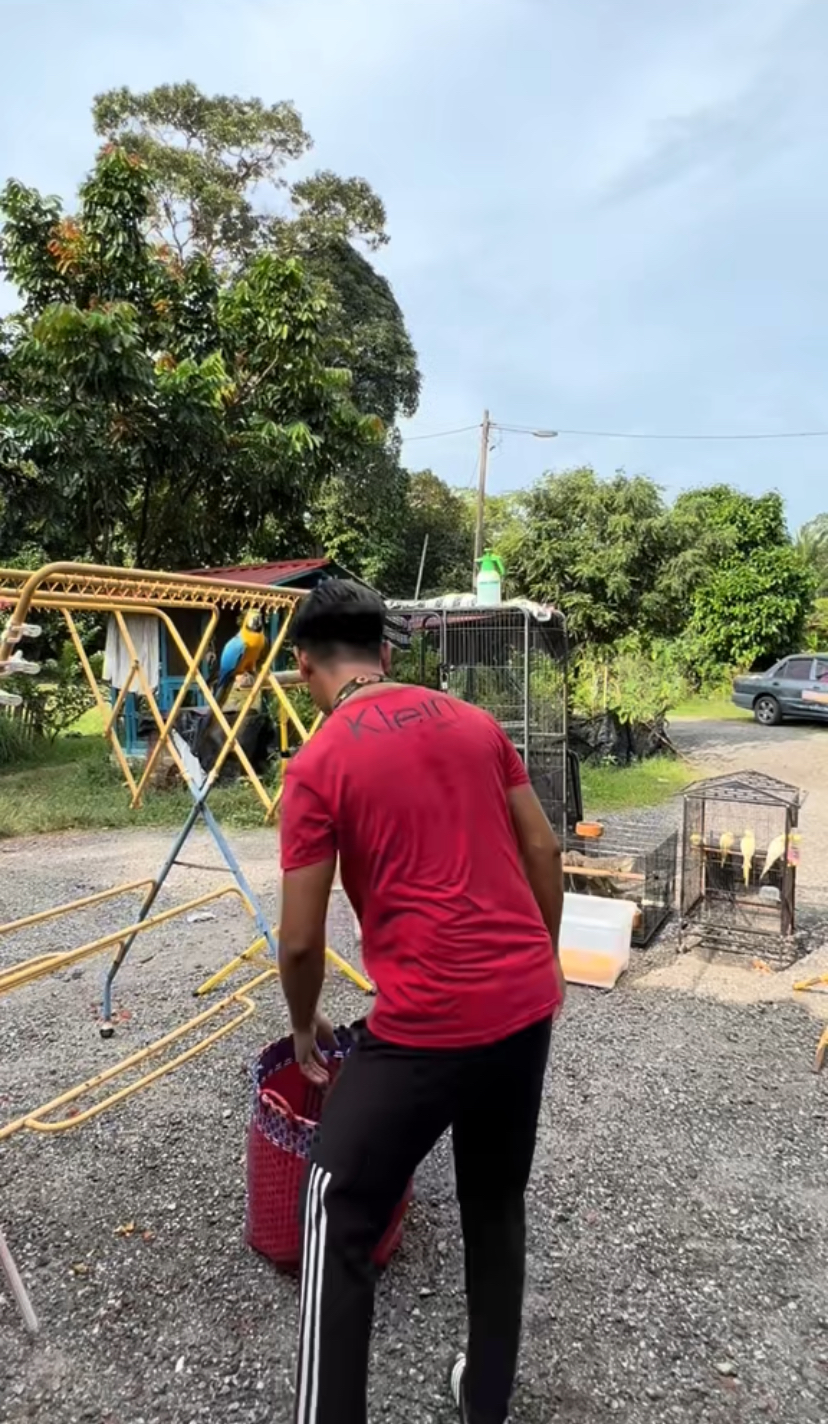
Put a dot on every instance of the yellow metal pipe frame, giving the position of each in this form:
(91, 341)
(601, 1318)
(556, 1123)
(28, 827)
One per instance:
(818, 982)
(105, 585)
(804, 986)
(197, 659)
(258, 946)
(117, 592)
(17, 975)
(86, 901)
(34, 1120)
(56, 960)
(192, 677)
(72, 588)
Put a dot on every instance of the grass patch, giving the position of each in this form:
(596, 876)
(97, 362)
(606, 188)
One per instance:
(627, 788)
(89, 725)
(713, 709)
(73, 785)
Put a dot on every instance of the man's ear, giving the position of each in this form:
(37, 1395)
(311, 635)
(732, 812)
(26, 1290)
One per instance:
(303, 663)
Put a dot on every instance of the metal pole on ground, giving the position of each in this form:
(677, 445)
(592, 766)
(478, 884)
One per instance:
(16, 1286)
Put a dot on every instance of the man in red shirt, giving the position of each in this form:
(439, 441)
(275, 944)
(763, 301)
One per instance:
(455, 876)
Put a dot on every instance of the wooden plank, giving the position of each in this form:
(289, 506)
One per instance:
(600, 872)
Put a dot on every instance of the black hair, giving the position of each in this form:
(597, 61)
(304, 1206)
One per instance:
(339, 620)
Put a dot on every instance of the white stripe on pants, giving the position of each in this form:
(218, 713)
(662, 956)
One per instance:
(310, 1310)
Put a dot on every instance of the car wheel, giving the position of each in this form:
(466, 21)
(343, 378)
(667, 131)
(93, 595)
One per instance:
(767, 712)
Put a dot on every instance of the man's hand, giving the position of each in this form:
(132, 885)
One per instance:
(306, 1049)
(561, 983)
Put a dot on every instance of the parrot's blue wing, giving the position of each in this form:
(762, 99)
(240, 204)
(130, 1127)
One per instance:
(231, 656)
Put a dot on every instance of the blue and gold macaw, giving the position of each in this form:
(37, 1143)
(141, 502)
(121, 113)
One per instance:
(240, 654)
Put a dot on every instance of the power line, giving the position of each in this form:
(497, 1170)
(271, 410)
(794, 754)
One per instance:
(540, 431)
(440, 434)
(670, 435)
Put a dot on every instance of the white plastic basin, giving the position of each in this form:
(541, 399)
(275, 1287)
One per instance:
(595, 939)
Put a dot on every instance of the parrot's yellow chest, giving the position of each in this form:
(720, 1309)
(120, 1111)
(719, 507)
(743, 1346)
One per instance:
(253, 649)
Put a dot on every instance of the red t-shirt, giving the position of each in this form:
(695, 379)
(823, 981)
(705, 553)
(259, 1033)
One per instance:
(408, 787)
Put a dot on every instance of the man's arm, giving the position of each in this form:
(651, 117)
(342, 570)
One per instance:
(541, 852)
(305, 895)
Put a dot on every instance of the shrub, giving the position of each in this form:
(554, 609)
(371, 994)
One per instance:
(15, 740)
(58, 696)
(637, 683)
(817, 630)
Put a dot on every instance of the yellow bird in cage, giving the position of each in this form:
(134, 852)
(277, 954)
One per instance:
(726, 840)
(747, 846)
(775, 850)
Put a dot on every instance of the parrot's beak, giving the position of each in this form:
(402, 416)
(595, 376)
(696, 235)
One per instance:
(254, 621)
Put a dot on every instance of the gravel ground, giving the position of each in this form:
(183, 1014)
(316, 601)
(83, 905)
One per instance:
(678, 1258)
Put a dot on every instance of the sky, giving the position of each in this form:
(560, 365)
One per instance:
(607, 215)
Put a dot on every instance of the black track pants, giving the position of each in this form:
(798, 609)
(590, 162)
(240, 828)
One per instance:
(386, 1112)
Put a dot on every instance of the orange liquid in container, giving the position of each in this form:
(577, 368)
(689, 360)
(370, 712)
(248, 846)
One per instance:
(589, 966)
(595, 939)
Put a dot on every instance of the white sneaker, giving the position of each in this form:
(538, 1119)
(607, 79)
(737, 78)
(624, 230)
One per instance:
(458, 1371)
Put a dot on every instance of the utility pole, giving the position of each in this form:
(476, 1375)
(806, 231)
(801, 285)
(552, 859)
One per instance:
(485, 435)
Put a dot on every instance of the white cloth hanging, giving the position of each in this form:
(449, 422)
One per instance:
(118, 659)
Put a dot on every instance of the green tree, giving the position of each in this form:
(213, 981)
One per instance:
(218, 162)
(753, 611)
(375, 521)
(442, 514)
(812, 547)
(742, 591)
(710, 528)
(503, 527)
(150, 412)
(818, 626)
(210, 155)
(595, 548)
(362, 519)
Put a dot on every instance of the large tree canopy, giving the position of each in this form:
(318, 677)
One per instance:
(220, 189)
(149, 411)
(592, 546)
(752, 611)
(743, 588)
(212, 157)
(717, 567)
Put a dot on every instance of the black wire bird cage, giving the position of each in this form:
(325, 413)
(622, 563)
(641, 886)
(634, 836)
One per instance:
(625, 864)
(510, 659)
(740, 850)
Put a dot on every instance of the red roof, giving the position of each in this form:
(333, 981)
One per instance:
(264, 574)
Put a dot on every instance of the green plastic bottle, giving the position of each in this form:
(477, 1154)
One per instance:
(489, 579)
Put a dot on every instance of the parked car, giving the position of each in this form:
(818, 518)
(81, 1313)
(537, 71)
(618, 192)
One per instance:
(796, 687)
